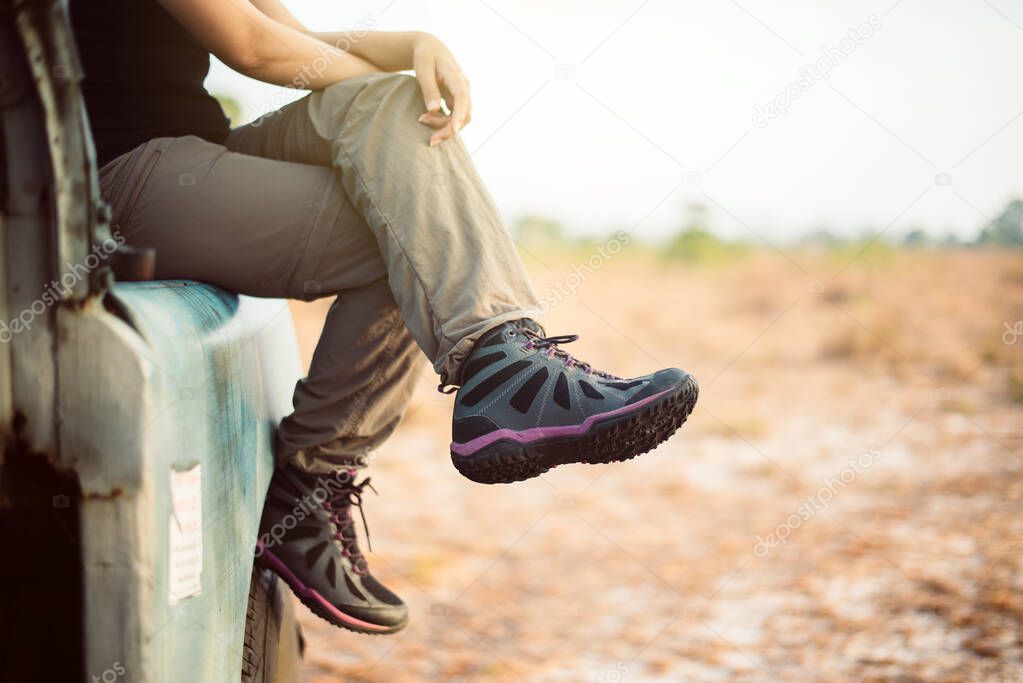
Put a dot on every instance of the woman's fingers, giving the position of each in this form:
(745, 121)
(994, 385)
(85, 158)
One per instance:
(455, 90)
(445, 132)
(444, 87)
(435, 120)
(460, 112)
(426, 74)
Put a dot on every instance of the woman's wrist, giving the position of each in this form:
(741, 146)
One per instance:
(425, 43)
(406, 44)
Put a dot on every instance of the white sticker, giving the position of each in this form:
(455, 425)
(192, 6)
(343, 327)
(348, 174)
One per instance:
(185, 561)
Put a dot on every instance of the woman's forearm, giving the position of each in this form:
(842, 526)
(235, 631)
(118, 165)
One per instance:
(249, 41)
(291, 58)
(389, 50)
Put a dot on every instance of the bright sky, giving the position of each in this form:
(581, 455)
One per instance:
(617, 114)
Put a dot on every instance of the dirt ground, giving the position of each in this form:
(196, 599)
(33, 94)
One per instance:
(845, 503)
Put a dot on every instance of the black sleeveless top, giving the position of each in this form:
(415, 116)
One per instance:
(143, 76)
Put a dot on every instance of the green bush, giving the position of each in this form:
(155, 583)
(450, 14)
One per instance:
(868, 250)
(699, 246)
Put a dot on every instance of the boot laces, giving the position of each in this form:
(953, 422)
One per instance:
(340, 505)
(549, 346)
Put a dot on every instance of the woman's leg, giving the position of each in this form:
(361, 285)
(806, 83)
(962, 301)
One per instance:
(359, 384)
(451, 264)
(271, 228)
(523, 405)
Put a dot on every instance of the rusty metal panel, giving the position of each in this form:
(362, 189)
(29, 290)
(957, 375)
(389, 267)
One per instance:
(169, 395)
(26, 329)
(48, 42)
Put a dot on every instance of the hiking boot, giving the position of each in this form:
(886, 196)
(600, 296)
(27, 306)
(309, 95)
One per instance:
(307, 537)
(525, 406)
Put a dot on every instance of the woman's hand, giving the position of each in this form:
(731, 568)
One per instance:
(442, 81)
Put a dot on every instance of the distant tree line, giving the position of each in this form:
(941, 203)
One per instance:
(694, 241)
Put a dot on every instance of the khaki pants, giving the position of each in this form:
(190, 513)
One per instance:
(336, 194)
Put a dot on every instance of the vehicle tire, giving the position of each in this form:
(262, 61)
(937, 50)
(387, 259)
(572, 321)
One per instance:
(273, 639)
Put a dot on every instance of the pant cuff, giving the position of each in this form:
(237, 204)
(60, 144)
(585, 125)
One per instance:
(321, 459)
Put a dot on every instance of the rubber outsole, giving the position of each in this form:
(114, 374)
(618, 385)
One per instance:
(616, 439)
(301, 592)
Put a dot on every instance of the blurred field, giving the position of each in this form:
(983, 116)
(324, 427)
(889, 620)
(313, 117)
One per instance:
(652, 570)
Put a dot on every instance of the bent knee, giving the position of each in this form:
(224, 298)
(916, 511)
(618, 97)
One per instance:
(396, 80)
(378, 87)
(384, 101)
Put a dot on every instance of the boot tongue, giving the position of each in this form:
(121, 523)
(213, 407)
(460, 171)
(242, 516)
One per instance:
(530, 324)
(345, 535)
(520, 324)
